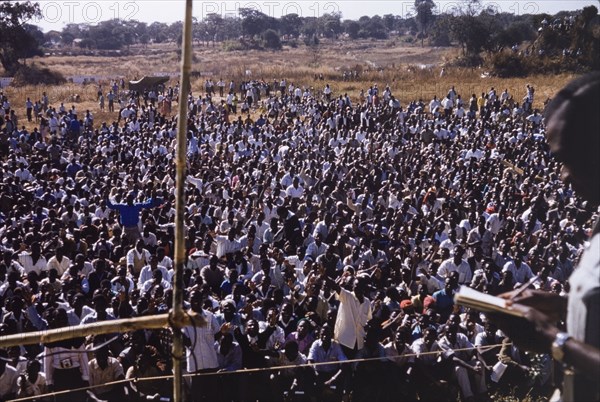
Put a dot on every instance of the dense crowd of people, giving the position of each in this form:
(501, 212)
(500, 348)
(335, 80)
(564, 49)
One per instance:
(319, 231)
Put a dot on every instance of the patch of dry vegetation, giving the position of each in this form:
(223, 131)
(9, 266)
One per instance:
(411, 72)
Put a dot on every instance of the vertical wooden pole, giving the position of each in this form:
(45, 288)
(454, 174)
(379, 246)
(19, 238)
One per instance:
(177, 311)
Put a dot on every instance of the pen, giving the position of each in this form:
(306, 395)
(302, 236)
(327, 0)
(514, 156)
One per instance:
(523, 287)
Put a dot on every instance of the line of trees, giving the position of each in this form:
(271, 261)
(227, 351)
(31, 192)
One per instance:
(470, 25)
(18, 38)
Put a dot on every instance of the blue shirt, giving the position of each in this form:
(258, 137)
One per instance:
(227, 286)
(73, 168)
(129, 215)
(443, 301)
(74, 125)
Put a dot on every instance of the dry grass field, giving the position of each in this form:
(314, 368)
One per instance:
(411, 71)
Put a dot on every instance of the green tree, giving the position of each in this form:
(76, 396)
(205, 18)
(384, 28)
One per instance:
(15, 39)
(214, 27)
(331, 25)
(585, 37)
(129, 32)
(158, 32)
(310, 27)
(424, 17)
(174, 32)
(67, 38)
(377, 28)
(254, 22)
(364, 21)
(471, 33)
(232, 27)
(271, 39)
(515, 33)
(372, 27)
(390, 21)
(351, 28)
(472, 28)
(72, 29)
(439, 33)
(112, 34)
(290, 25)
(52, 37)
(407, 25)
(142, 33)
(87, 43)
(33, 39)
(490, 30)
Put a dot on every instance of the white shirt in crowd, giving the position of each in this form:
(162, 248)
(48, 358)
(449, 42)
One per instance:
(203, 356)
(351, 319)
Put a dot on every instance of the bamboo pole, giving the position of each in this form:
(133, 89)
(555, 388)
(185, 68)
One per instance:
(97, 328)
(180, 160)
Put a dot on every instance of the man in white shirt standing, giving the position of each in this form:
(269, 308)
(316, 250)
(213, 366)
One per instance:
(201, 355)
(327, 92)
(353, 314)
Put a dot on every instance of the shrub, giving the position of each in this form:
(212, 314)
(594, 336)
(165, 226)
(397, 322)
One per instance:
(440, 39)
(33, 75)
(271, 39)
(233, 45)
(311, 40)
(468, 60)
(509, 65)
(506, 65)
